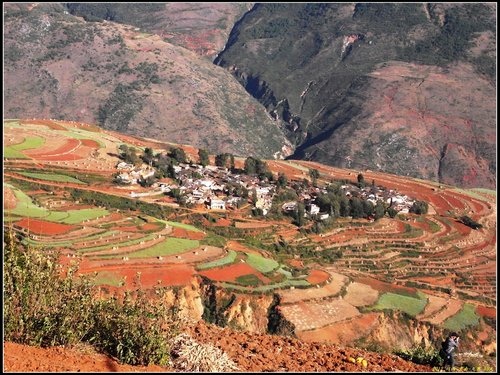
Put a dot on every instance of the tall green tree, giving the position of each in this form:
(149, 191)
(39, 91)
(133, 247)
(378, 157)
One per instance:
(203, 156)
(361, 181)
(178, 154)
(379, 210)
(419, 207)
(250, 166)
(221, 160)
(314, 174)
(282, 180)
(356, 208)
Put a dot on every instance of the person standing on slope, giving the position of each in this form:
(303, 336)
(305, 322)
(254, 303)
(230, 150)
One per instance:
(448, 348)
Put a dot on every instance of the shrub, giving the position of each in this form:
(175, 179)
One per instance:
(44, 306)
(421, 355)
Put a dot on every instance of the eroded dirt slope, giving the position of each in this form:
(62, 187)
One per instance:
(251, 353)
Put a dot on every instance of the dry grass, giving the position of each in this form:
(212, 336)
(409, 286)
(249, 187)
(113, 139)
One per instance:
(191, 356)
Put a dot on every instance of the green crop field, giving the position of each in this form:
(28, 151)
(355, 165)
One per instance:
(171, 246)
(228, 259)
(78, 216)
(14, 151)
(248, 280)
(26, 208)
(260, 263)
(392, 301)
(181, 225)
(269, 287)
(52, 177)
(465, 317)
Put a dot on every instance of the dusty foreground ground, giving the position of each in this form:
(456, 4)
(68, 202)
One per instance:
(251, 353)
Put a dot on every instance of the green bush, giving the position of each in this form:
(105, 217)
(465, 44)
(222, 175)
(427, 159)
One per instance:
(421, 355)
(45, 307)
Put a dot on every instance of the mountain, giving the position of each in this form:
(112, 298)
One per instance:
(200, 27)
(404, 88)
(60, 66)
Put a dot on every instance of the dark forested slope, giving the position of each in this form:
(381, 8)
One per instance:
(403, 88)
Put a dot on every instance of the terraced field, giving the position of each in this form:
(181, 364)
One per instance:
(348, 273)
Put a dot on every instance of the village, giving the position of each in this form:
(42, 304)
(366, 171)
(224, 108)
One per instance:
(213, 187)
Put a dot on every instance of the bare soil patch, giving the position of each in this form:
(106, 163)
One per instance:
(23, 358)
(384, 287)
(343, 333)
(359, 294)
(232, 272)
(488, 312)
(298, 294)
(250, 225)
(317, 277)
(308, 316)
(434, 304)
(189, 234)
(44, 227)
(452, 307)
(9, 199)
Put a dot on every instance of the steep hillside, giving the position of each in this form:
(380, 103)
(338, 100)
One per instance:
(60, 66)
(200, 27)
(403, 88)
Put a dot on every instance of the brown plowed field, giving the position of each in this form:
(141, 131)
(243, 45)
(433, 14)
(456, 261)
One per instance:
(44, 227)
(189, 234)
(317, 277)
(346, 331)
(9, 199)
(232, 272)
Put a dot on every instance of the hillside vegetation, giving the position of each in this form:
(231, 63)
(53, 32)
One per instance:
(403, 88)
(123, 78)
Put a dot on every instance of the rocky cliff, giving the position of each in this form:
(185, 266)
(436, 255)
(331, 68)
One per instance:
(259, 314)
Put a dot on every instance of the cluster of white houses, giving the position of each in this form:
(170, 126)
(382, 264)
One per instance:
(217, 188)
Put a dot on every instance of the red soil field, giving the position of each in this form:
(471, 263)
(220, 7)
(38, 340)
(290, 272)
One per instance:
(68, 144)
(342, 332)
(150, 226)
(189, 234)
(488, 312)
(89, 143)
(462, 228)
(77, 154)
(236, 246)
(297, 263)
(317, 277)
(150, 274)
(231, 272)
(44, 227)
(222, 223)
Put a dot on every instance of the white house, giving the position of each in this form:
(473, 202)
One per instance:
(217, 204)
(313, 210)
